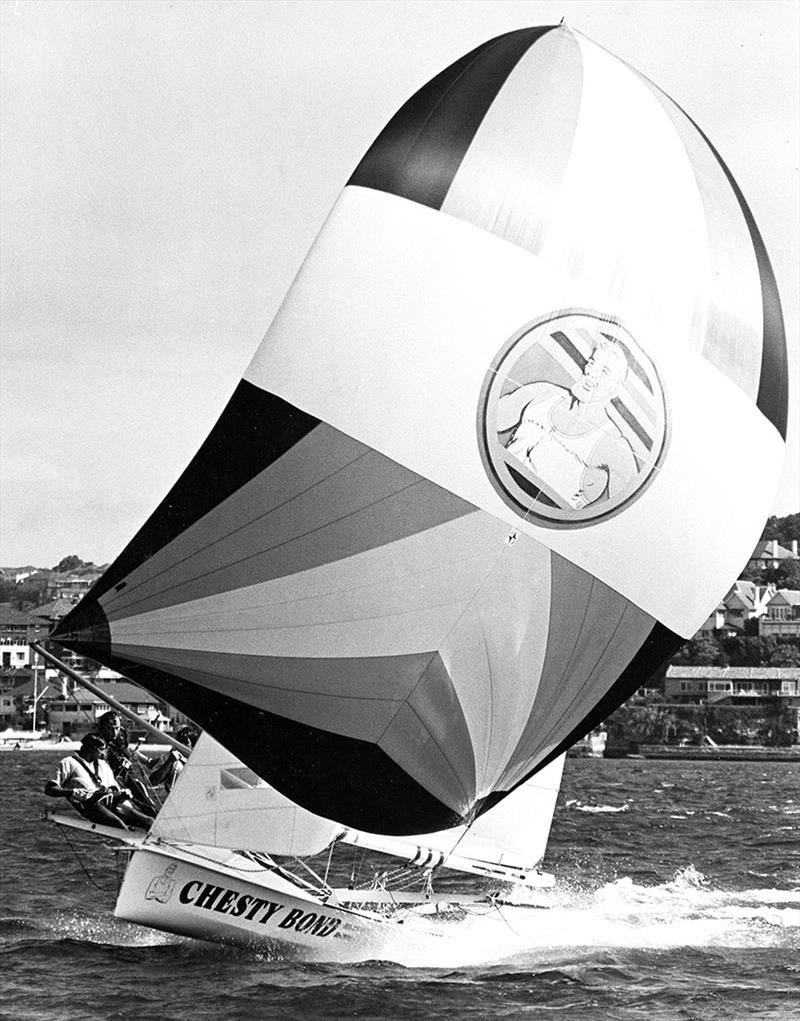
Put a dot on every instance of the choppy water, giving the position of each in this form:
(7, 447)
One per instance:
(679, 898)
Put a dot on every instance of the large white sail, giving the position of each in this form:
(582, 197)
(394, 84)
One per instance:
(219, 802)
(515, 831)
(510, 836)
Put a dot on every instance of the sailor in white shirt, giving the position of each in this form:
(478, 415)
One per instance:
(88, 783)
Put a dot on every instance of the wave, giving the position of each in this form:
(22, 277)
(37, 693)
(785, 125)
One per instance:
(685, 912)
(599, 809)
(80, 929)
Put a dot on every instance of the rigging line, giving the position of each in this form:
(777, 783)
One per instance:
(302, 863)
(359, 854)
(161, 841)
(504, 919)
(328, 863)
(271, 549)
(97, 886)
(247, 524)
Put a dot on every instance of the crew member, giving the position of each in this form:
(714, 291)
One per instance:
(85, 779)
(123, 760)
(167, 769)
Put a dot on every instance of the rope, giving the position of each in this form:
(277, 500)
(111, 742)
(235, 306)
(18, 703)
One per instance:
(504, 919)
(79, 859)
(328, 864)
(356, 865)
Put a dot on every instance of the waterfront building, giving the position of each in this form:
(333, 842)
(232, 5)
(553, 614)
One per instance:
(17, 630)
(76, 713)
(733, 685)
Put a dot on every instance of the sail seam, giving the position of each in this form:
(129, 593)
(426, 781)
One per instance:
(204, 549)
(277, 546)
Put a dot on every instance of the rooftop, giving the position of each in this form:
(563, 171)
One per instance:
(122, 691)
(735, 673)
(12, 617)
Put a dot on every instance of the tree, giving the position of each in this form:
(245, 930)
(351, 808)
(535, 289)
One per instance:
(785, 575)
(701, 652)
(24, 596)
(70, 563)
(785, 655)
(750, 650)
(784, 530)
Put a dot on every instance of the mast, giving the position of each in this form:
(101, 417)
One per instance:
(120, 708)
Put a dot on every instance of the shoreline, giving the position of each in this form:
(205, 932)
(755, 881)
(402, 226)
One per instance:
(726, 753)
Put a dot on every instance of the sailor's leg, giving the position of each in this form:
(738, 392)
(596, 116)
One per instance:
(103, 815)
(128, 812)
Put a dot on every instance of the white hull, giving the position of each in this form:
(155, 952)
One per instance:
(183, 890)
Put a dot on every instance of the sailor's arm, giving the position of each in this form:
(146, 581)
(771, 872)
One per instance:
(54, 789)
(66, 784)
(134, 754)
(166, 767)
(145, 760)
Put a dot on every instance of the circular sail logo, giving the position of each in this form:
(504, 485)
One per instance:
(572, 420)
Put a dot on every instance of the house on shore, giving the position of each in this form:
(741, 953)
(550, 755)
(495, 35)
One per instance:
(743, 602)
(782, 615)
(769, 553)
(75, 713)
(733, 685)
(17, 630)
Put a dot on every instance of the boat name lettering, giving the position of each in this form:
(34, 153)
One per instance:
(255, 909)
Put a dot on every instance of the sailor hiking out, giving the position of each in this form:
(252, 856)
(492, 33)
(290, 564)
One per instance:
(128, 764)
(86, 780)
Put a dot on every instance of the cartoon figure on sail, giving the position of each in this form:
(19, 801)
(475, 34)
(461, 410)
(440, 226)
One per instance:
(572, 448)
(573, 431)
(491, 337)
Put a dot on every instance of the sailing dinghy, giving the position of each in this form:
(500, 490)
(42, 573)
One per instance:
(227, 859)
(442, 528)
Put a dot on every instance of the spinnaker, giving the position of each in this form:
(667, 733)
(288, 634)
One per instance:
(513, 432)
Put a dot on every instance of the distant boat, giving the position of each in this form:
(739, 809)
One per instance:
(531, 368)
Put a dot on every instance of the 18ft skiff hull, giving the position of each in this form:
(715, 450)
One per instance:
(186, 892)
